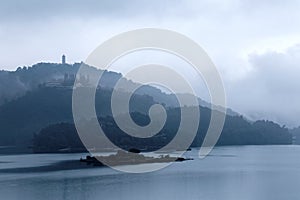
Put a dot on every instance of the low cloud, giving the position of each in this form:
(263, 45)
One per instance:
(271, 88)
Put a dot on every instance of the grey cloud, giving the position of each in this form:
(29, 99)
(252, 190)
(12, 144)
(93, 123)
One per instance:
(36, 9)
(278, 72)
(271, 89)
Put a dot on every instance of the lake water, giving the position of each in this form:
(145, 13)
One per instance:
(229, 173)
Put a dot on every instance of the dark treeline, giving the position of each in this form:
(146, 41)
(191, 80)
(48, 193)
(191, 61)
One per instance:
(27, 115)
(296, 135)
(237, 131)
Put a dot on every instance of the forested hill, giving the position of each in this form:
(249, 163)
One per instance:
(25, 117)
(63, 137)
(14, 84)
(33, 98)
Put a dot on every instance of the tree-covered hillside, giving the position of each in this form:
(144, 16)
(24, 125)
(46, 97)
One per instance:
(33, 98)
(63, 137)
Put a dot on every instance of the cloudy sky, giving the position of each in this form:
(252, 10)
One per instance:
(254, 44)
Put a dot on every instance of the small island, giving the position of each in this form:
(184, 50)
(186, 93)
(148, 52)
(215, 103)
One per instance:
(129, 158)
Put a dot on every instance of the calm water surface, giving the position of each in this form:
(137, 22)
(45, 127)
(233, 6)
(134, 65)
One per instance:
(229, 173)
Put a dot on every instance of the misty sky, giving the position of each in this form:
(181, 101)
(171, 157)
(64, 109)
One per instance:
(255, 44)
